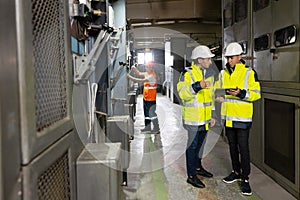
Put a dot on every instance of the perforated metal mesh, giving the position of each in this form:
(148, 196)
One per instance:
(49, 62)
(54, 183)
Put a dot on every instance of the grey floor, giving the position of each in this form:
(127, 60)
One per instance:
(157, 164)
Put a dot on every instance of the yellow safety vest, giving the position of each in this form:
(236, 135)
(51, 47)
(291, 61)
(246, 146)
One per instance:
(196, 108)
(235, 109)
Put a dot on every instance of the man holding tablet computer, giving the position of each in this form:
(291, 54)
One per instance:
(237, 89)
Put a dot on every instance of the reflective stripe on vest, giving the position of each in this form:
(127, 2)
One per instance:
(236, 101)
(150, 87)
(247, 78)
(192, 123)
(182, 89)
(240, 119)
(151, 118)
(195, 104)
(191, 74)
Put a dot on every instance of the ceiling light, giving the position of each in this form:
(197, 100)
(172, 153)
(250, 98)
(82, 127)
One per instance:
(165, 22)
(142, 24)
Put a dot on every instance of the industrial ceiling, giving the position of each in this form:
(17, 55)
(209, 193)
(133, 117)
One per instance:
(198, 19)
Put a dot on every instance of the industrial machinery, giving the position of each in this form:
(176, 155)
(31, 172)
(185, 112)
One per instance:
(99, 172)
(63, 70)
(270, 39)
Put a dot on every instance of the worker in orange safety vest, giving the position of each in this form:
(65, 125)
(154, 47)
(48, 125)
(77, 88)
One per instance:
(149, 96)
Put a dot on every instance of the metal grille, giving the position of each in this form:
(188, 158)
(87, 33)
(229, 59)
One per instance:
(54, 183)
(49, 62)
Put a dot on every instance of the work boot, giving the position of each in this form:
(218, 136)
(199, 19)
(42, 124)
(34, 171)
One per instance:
(155, 130)
(146, 129)
(195, 181)
(204, 173)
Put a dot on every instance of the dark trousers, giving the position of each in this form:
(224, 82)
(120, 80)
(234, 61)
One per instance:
(150, 114)
(239, 150)
(195, 146)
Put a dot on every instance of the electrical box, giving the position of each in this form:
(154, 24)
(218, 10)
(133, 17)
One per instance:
(99, 173)
(120, 129)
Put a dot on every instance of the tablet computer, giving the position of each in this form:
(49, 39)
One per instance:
(222, 91)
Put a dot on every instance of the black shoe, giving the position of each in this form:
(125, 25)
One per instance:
(155, 131)
(203, 172)
(195, 181)
(232, 177)
(146, 129)
(246, 189)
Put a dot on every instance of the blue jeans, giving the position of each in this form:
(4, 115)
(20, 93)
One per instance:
(239, 150)
(195, 146)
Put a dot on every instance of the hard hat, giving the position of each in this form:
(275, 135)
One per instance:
(202, 51)
(233, 49)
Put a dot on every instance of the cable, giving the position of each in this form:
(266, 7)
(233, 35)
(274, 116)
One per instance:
(92, 93)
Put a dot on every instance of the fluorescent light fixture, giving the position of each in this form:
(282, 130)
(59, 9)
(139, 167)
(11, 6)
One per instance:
(165, 22)
(187, 21)
(145, 42)
(142, 24)
(150, 42)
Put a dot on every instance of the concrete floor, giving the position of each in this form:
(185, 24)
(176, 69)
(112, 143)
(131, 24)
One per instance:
(157, 165)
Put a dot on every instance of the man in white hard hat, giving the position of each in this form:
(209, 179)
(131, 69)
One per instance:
(242, 89)
(195, 91)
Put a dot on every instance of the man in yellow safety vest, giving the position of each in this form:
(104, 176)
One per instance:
(195, 89)
(241, 87)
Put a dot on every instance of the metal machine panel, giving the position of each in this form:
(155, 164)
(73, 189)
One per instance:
(255, 139)
(51, 175)
(286, 58)
(132, 98)
(98, 172)
(178, 51)
(119, 129)
(277, 65)
(263, 59)
(118, 54)
(272, 64)
(130, 108)
(44, 73)
(10, 153)
(262, 65)
(281, 139)
(241, 31)
(118, 106)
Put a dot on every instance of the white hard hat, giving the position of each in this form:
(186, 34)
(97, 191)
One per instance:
(233, 49)
(202, 51)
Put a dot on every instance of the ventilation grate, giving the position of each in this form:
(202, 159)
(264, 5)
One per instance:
(49, 62)
(54, 183)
